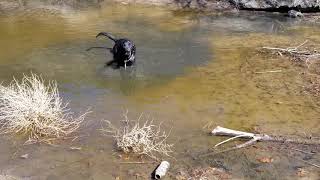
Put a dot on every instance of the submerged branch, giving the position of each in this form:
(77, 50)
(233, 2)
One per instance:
(253, 138)
(221, 131)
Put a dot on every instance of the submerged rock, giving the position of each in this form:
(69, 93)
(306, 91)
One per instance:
(25, 156)
(278, 5)
(294, 14)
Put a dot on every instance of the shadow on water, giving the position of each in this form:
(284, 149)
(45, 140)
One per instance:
(193, 72)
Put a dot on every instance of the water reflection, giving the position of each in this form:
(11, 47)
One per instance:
(128, 80)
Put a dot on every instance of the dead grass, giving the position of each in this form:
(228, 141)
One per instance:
(35, 109)
(140, 138)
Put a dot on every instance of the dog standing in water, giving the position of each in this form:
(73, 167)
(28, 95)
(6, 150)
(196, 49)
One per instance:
(123, 51)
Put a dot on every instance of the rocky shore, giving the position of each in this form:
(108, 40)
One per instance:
(288, 7)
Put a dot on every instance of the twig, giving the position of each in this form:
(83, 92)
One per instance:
(225, 141)
(272, 71)
(307, 162)
(138, 162)
(289, 49)
(311, 153)
(303, 55)
(312, 164)
(301, 44)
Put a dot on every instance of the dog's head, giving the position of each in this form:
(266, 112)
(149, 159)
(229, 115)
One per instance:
(129, 50)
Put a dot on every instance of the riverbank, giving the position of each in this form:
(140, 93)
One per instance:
(310, 9)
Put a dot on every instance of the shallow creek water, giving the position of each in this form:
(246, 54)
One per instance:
(193, 72)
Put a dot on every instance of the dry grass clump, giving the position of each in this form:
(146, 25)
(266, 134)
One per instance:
(34, 108)
(141, 138)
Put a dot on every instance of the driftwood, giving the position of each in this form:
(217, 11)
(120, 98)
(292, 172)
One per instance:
(221, 131)
(253, 138)
(296, 52)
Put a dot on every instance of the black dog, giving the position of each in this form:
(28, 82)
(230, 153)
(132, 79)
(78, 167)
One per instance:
(123, 51)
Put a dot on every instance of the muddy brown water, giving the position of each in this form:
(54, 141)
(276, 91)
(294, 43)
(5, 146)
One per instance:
(193, 72)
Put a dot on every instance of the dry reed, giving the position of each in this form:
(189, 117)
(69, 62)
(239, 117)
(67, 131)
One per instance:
(33, 108)
(141, 138)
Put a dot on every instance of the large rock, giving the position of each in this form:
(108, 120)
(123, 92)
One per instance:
(278, 5)
(6, 6)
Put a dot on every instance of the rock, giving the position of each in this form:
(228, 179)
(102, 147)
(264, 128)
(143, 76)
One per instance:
(25, 156)
(7, 6)
(208, 5)
(294, 14)
(301, 172)
(75, 148)
(278, 5)
(202, 3)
